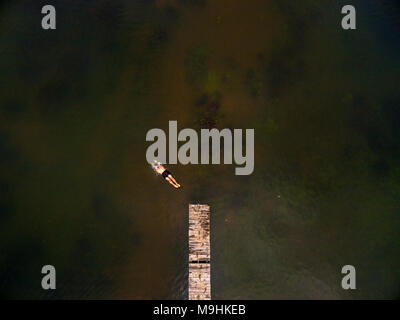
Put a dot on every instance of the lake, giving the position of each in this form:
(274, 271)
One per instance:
(76, 190)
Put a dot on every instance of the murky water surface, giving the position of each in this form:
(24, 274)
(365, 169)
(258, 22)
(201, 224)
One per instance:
(76, 103)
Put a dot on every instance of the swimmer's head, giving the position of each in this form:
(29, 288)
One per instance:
(155, 164)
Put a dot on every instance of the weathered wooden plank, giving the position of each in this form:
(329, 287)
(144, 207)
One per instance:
(199, 252)
(199, 281)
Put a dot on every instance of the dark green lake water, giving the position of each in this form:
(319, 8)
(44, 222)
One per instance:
(76, 104)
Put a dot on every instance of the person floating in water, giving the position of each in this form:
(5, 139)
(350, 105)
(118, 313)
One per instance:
(159, 168)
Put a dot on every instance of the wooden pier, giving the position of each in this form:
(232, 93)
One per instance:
(199, 252)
